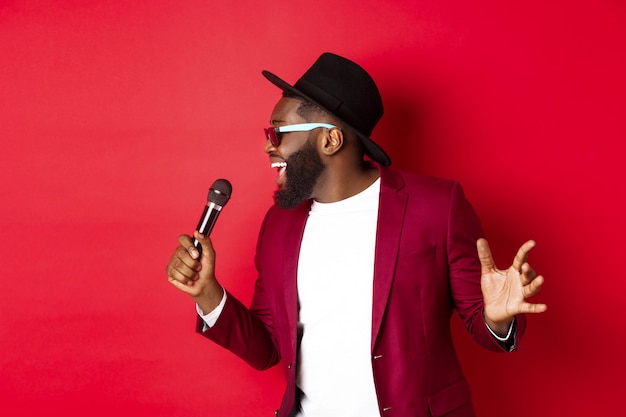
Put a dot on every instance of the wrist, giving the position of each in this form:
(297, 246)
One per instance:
(210, 297)
(499, 327)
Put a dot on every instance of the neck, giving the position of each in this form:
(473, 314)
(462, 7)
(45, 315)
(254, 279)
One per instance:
(340, 182)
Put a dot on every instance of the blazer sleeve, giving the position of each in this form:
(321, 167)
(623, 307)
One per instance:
(464, 268)
(246, 332)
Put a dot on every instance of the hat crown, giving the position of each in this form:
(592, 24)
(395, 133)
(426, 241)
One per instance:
(345, 89)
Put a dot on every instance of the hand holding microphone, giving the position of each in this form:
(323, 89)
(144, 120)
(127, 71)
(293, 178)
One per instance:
(188, 270)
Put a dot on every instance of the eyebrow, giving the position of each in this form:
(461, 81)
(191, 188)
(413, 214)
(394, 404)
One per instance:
(274, 122)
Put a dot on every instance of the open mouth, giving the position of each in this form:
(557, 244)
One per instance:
(281, 167)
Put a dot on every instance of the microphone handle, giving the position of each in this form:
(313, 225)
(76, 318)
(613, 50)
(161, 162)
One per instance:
(207, 221)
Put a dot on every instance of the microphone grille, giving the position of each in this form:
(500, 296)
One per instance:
(220, 191)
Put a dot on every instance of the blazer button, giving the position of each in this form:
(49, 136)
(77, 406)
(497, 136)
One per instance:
(289, 366)
(378, 357)
(387, 409)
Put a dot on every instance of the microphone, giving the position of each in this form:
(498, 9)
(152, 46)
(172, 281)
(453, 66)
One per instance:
(219, 194)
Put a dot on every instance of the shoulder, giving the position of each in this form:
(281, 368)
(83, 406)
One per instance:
(412, 183)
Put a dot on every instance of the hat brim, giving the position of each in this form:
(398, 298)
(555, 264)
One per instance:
(371, 148)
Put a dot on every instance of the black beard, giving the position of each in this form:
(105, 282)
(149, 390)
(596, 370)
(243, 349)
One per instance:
(303, 169)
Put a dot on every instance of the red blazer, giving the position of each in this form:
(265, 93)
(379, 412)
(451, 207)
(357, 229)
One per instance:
(425, 266)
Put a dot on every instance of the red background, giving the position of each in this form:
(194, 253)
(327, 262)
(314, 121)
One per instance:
(116, 116)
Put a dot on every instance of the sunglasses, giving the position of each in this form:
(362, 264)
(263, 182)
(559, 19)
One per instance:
(273, 134)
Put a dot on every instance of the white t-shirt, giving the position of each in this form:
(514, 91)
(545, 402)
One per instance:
(335, 288)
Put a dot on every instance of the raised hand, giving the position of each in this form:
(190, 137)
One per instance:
(505, 291)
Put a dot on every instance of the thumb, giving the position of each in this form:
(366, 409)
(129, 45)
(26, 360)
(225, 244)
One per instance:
(484, 255)
(206, 246)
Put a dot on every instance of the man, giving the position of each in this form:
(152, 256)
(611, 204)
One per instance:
(359, 267)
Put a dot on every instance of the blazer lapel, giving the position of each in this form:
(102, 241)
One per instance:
(391, 212)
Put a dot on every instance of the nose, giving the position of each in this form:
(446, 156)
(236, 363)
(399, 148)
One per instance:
(268, 148)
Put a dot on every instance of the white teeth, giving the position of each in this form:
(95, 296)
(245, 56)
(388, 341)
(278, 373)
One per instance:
(279, 164)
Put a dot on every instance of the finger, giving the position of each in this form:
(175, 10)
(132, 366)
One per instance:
(181, 266)
(528, 274)
(186, 242)
(522, 254)
(484, 255)
(182, 256)
(183, 274)
(533, 308)
(533, 288)
(188, 287)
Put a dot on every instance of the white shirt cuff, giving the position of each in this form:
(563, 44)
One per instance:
(211, 317)
(508, 335)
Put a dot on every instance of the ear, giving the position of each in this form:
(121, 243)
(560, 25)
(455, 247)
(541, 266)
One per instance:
(332, 141)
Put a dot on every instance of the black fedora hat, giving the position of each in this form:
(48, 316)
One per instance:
(345, 90)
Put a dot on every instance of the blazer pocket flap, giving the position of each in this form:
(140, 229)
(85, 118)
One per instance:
(449, 398)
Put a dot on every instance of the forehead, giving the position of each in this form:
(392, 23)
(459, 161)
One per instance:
(285, 112)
